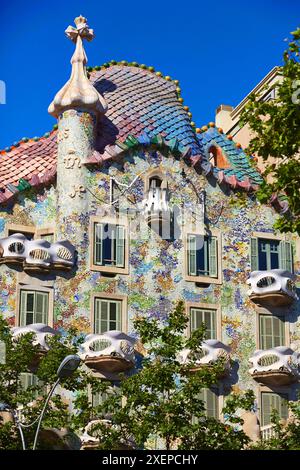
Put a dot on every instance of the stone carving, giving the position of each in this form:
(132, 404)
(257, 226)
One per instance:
(112, 351)
(37, 254)
(212, 351)
(63, 134)
(41, 331)
(77, 190)
(280, 365)
(78, 92)
(71, 159)
(276, 284)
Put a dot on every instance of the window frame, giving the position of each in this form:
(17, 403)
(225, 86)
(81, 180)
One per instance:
(37, 232)
(107, 296)
(264, 311)
(271, 236)
(35, 288)
(204, 306)
(203, 279)
(278, 391)
(117, 221)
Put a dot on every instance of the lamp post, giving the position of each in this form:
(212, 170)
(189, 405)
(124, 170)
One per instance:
(68, 365)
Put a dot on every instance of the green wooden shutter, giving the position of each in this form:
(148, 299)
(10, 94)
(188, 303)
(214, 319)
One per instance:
(212, 410)
(192, 258)
(254, 254)
(271, 402)
(41, 307)
(120, 246)
(98, 244)
(286, 256)
(213, 254)
(266, 409)
(2, 352)
(23, 302)
(271, 331)
(118, 316)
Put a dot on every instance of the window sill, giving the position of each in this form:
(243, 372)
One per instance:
(110, 269)
(203, 279)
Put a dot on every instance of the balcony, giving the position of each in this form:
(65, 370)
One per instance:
(155, 206)
(275, 287)
(276, 366)
(36, 255)
(267, 432)
(41, 332)
(111, 352)
(212, 352)
(90, 439)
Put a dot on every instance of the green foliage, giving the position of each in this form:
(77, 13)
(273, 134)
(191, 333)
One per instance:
(286, 435)
(162, 399)
(23, 356)
(276, 128)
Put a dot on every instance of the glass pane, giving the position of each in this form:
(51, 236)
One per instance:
(201, 246)
(30, 302)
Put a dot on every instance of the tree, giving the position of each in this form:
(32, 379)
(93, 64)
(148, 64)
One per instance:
(163, 398)
(22, 356)
(286, 436)
(276, 128)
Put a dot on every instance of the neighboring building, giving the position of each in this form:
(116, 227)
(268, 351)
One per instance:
(124, 209)
(228, 118)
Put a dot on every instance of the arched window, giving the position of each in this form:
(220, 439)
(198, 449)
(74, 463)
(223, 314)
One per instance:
(217, 158)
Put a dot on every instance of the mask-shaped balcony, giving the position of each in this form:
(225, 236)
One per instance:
(276, 366)
(41, 332)
(156, 206)
(36, 255)
(275, 287)
(90, 441)
(110, 352)
(212, 352)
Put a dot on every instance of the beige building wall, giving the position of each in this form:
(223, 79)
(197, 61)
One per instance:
(228, 117)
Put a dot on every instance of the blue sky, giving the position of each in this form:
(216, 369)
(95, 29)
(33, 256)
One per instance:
(218, 50)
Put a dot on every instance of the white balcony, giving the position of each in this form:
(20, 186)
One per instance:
(110, 352)
(90, 439)
(212, 351)
(36, 255)
(267, 432)
(155, 206)
(275, 287)
(276, 366)
(41, 333)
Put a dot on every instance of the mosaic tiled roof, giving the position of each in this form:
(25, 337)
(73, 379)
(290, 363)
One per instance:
(143, 108)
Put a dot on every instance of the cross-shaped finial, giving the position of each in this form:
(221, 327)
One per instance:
(81, 29)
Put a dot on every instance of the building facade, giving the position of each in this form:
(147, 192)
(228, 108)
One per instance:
(124, 208)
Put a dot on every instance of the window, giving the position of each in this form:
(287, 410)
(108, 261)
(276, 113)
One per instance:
(269, 254)
(202, 254)
(34, 307)
(31, 232)
(99, 398)
(217, 158)
(110, 245)
(273, 401)
(107, 315)
(47, 236)
(30, 380)
(198, 316)
(271, 331)
(211, 403)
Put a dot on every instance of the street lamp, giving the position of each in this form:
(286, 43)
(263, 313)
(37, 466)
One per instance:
(67, 366)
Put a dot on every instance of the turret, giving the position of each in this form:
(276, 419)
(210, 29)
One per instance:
(77, 106)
